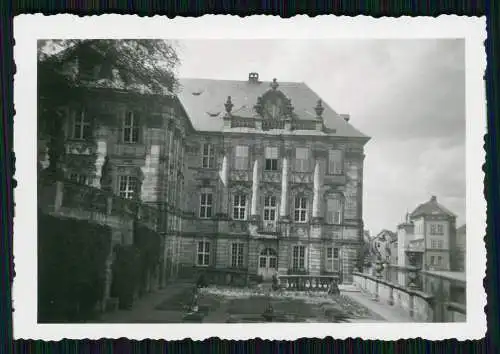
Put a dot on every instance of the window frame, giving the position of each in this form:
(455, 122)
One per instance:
(335, 168)
(270, 208)
(239, 206)
(301, 210)
(77, 178)
(302, 164)
(82, 121)
(334, 217)
(206, 207)
(208, 157)
(134, 132)
(204, 253)
(237, 255)
(131, 189)
(298, 257)
(241, 162)
(332, 260)
(271, 163)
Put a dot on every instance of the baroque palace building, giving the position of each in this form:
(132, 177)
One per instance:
(257, 177)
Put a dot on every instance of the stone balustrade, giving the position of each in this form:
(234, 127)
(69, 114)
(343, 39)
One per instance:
(419, 305)
(300, 282)
(85, 202)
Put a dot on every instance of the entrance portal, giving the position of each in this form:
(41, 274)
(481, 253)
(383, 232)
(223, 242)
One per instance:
(268, 263)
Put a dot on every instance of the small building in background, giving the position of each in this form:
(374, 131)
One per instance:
(430, 230)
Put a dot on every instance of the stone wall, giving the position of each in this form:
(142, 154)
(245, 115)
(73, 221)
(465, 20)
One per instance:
(417, 304)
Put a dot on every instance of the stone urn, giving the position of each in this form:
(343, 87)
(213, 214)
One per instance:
(379, 267)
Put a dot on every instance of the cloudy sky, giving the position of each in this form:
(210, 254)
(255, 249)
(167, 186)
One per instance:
(408, 95)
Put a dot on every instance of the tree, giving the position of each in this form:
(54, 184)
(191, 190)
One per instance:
(69, 70)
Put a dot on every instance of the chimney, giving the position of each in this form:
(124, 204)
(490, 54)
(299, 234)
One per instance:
(253, 78)
(346, 117)
(433, 198)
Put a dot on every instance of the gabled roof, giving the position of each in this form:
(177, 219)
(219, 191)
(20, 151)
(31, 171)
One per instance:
(387, 235)
(432, 207)
(204, 99)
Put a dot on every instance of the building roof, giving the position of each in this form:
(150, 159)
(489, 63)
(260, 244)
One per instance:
(387, 235)
(204, 99)
(432, 207)
(462, 230)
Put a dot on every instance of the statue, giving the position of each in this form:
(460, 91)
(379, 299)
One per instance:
(106, 176)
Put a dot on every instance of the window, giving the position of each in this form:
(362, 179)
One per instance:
(131, 127)
(335, 162)
(432, 260)
(206, 205)
(78, 178)
(270, 208)
(208, 159)
(237, 255)
(241, 158)
(81, 126)
(437, 229)
(271, 155)
(203, 253)
(334, 211)
(239, 207)
(299, 257)
(332, 259)
(127, 186)
(300, 214)
(301, 159)
(439, 260)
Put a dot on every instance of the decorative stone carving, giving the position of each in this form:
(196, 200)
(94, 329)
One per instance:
(239, 176)
(298, 177)
(319, 109)
(271, 176)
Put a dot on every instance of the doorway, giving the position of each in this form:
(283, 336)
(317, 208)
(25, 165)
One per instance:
(268, 263)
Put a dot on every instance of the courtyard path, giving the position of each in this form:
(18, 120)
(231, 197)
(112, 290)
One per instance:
(145, 309)
(389, 313)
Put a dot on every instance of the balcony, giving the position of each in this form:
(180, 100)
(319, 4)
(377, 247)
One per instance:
(273, 124)
(128, 150)
(335, 179)
(271, 228)
(238, 226)
(84, 202)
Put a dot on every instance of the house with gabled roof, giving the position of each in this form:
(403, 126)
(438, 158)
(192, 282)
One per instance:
(430, 231)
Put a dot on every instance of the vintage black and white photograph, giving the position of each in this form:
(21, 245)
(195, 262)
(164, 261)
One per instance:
(247, 181)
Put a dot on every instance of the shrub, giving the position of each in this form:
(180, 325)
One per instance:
(126, 275)
(72, 257)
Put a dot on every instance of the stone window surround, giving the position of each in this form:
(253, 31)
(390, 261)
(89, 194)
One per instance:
(134, 127)
(299, 258)
(240, 205)
(332, 263)
(237, 255)
(203, 249)
(80, 121)
(206, 204)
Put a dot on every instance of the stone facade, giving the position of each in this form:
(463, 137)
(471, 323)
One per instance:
(270, 193)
